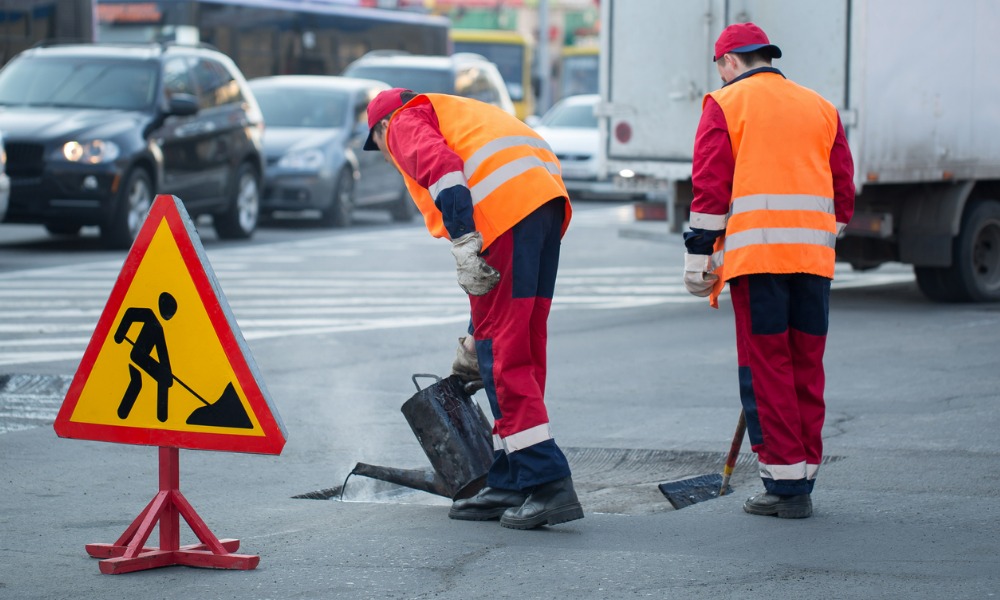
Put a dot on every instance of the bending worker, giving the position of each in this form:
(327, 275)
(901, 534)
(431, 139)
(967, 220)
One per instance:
(773, 185)
(490, 184)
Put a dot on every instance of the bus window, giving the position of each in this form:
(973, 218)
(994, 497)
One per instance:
(579, 72)
(276, 37)
(510, 52)
(26, 23)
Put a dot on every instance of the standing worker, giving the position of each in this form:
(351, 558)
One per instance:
(490, 184)
(773, 185)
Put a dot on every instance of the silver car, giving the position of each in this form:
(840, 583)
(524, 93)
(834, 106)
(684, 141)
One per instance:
(570, 128)
(462, 74)
(4, 181)
(314, 128)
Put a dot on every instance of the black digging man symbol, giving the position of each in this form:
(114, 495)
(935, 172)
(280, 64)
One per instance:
(227, 411)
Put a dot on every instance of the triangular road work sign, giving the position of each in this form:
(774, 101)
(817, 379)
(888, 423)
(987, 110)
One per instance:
(167, 364)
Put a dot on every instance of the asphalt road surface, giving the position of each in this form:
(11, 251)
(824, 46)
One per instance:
(641, 389)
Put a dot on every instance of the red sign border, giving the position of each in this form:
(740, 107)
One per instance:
(169, 208)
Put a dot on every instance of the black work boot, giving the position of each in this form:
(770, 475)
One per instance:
(783, 507)
(488, 504)
(550, 503)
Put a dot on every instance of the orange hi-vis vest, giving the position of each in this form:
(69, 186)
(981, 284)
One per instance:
(781, 216)
(509, 169)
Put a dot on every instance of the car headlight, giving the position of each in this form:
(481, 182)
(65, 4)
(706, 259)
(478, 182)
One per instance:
(92, 152)
(306, 160)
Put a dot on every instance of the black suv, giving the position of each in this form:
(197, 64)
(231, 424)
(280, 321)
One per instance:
(94, 131)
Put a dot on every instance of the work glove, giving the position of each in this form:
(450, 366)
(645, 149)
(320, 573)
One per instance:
(474, 276)
(698, 276)
(466, 365)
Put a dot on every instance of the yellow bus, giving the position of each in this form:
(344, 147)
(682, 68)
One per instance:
(511, 53)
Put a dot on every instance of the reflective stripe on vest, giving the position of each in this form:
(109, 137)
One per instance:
(781, 216)
(509, 169)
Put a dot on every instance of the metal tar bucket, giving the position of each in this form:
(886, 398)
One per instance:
(455, 435)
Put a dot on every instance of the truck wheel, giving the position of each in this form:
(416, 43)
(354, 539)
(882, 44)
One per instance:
(341, 209)
(940, 284)
(977, 252)
(240, 218)
(134, 201)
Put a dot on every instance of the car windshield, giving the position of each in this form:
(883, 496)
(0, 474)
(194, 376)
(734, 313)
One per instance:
(422, 81)
(74, 83)
(302, 107)
(571, 115)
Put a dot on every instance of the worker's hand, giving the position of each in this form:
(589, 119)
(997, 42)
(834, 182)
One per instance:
(474, 276)
(840, 230)
(466, 365)
(698, 276)
(471, 387)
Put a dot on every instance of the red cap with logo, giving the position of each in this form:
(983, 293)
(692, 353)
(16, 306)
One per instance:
(380, 107)
(743, 37)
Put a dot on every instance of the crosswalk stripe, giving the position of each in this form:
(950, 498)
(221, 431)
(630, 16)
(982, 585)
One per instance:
(47, 314)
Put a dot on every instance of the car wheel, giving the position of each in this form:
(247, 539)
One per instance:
(134, 201)
(341, 209)
(403, 210)
(240, 220)
(68, 229)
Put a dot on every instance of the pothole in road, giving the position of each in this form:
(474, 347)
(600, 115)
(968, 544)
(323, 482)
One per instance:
(607, 480)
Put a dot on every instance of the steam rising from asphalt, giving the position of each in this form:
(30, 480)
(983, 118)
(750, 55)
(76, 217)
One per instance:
(366, 489)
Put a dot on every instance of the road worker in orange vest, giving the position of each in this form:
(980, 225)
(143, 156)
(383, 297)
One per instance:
(486, 181)
(773, 185)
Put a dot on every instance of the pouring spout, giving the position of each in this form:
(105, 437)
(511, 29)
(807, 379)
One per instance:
(418, 479)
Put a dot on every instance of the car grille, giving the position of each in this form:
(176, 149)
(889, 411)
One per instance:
(24, 159)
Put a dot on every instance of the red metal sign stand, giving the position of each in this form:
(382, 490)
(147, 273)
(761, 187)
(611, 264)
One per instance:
(129, 553)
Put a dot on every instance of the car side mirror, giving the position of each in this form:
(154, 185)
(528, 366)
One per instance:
(533, 121)
(183, 105)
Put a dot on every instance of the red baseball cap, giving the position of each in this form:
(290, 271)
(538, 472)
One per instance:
(380, 107)
(743, 37)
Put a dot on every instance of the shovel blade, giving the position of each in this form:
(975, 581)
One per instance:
(685, 492)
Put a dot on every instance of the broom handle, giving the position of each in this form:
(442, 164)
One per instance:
(734, 452)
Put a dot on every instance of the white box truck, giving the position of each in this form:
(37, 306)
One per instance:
(916, 90)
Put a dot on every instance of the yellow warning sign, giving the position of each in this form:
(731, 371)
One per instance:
(167, 365)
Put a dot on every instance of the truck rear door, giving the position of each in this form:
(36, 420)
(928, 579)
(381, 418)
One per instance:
(659, 66)
(813, 37)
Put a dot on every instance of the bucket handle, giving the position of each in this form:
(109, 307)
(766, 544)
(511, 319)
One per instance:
(429, 375)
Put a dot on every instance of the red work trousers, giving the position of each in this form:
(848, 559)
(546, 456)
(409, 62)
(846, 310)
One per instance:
(781, 328)
(510, 326)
